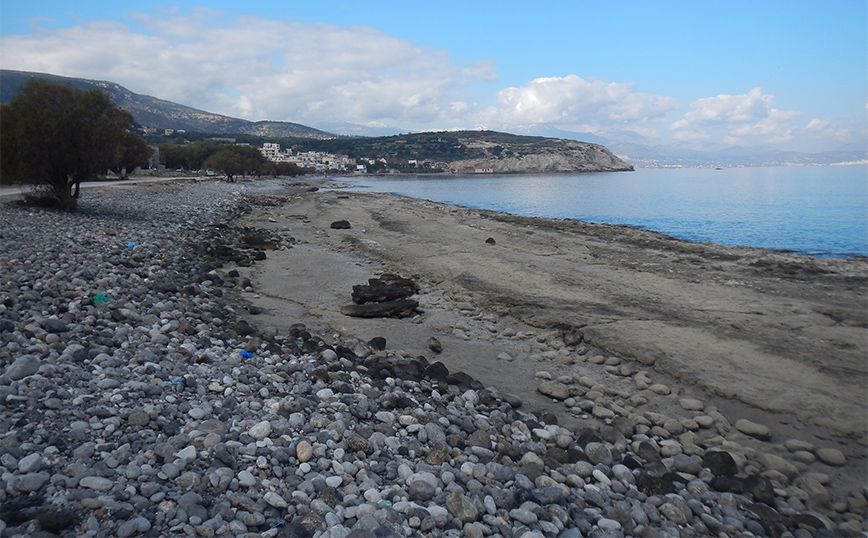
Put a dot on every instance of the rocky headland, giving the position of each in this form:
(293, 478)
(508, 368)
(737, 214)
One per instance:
(175, 363)
(524, 155)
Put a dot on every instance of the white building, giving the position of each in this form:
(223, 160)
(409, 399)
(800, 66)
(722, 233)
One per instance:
(317, 160)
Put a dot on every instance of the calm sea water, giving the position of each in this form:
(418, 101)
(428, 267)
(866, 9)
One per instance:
(817, 210)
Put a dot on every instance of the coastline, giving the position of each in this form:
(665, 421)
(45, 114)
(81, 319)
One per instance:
(773, 337)
(183, 366)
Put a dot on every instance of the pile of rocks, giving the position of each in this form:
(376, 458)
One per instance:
(137, 403)
(385, 296)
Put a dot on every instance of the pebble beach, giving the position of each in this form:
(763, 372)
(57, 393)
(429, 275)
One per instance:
(140, 396)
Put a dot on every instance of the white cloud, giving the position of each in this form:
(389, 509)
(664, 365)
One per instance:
(742, 116)
(258, 68)
(572, 102)
(825, 129)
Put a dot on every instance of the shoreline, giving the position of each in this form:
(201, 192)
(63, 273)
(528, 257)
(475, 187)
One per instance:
(807, 236)
(788, 272)
(796, 393)
(197, 378)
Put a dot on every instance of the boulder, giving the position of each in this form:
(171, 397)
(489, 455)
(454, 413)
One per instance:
(395, 309)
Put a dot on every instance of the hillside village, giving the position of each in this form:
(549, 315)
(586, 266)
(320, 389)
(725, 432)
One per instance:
(315, 160)
(324, 162)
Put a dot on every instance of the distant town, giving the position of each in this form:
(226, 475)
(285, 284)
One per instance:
(323, 162)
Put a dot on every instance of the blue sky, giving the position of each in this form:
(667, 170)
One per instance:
(789, 74)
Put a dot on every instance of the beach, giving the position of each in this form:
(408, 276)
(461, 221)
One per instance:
(773, 337)
(177, 359)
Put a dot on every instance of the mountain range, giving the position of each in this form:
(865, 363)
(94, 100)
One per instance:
(157, 113)
(149, 111)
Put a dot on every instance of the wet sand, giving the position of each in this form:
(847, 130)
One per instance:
(775, 337)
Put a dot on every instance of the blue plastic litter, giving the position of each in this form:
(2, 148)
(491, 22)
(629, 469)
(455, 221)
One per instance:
(130, 244)
(246, 354)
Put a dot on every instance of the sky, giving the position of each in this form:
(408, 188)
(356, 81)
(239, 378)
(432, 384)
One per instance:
(785, 74)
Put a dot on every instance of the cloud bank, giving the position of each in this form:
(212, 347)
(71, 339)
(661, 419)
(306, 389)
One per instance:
(319, 74)
(747, 116)
(573, 103)
(258, 68)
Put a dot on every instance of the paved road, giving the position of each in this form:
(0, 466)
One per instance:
(16, 190)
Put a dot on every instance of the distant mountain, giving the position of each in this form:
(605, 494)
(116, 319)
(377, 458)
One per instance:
(149, 111)
(676, 155)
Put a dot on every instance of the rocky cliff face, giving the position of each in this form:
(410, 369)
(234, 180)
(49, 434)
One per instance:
(541, 155)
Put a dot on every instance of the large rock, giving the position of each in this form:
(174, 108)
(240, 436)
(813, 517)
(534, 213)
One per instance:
(389, 309)
(388, 287)
(23, 366)
(720, 463)
(554, 389)
(461, 507)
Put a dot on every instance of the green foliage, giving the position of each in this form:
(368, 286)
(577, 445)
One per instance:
(135, 153)
(280, 169)
(59, 136)
(236, 160)
(189, 156)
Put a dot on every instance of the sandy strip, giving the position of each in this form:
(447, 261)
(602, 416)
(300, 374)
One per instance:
(776, 337)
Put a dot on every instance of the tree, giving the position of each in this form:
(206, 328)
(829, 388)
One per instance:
(135, 153)
(59, 136)
(282, 168)
(234, 160)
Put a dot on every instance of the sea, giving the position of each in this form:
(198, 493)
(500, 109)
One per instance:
(820, 211)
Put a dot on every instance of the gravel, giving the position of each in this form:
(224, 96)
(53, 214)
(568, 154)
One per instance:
(136, 402)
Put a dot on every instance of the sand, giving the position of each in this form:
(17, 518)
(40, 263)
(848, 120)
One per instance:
(776, 337)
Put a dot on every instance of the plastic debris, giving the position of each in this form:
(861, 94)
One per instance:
(246, 354)
(130, 244)
(100, 298)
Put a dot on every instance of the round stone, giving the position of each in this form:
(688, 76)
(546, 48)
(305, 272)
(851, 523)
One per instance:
(31, 481)
(260, 430)
(832, 456)
(691, 404)
(139, 418)
(554, 389)
(188, 454)
(97, 483)
(246, 479)
(753, 429)
(798, 445)
(303, 451)
(598, 453)
(275, 500)
(31, 463)
(675, 514)
(660, 389)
